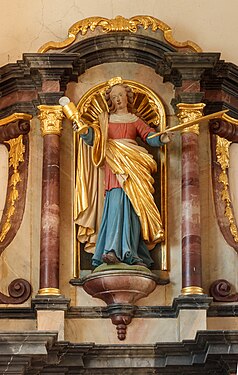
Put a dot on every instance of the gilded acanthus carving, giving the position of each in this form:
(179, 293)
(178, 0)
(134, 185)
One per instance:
(222, 152)
(190, 112)
(17, 150)
(223, 132)
(14, 136)
(51, 119)
(116, 24)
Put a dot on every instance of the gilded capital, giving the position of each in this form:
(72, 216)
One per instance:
(51, 119)
(190, 112)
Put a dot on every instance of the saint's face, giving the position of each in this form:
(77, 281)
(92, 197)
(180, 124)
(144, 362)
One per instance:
(119, 99)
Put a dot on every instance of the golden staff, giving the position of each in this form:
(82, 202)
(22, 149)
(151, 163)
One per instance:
(189, 123)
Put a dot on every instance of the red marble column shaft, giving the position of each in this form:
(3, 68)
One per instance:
(49, 253)
(191, 238)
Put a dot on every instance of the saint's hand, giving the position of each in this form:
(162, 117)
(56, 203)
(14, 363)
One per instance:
(75, 126)
(166, 137)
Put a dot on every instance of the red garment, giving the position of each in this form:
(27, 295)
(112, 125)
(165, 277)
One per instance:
(129, 130)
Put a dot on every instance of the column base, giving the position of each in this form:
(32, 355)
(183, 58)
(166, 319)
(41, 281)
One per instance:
(50, 302)
(49, 292)
(191, 290)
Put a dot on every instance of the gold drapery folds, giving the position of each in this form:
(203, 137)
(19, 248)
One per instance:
(133, 166)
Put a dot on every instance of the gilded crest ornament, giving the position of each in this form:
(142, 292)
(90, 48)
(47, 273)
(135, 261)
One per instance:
(117, 24)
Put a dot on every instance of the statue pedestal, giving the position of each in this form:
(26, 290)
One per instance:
(120, 287)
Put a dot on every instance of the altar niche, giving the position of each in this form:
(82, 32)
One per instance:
(118, 274)
(150, 109)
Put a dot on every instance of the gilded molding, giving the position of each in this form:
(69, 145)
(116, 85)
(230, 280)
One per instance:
(116, 24)
(49, 292)
(16, 156)
(14, 117)
(51, 119)
(230, 119)
(192, 290)
(190, 112)
(223, 158)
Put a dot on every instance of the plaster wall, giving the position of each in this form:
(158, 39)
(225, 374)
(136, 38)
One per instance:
(26, 25)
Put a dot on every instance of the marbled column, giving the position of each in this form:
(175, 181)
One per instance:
(51, 121)
(191, 238)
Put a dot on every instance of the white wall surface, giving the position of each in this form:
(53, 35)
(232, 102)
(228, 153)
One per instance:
(27, 24)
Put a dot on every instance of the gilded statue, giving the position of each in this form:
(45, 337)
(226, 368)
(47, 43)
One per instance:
(115, 209)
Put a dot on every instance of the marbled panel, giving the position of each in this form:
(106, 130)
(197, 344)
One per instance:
(139, 331)
(17, 325)
(50, 86)
(189, 322)
(19, 96)
(51, 321)
(219, 96)
(228, 323)
(190, 86)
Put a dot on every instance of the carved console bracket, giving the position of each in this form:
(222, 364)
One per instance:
(224, 132)
(221, 291)
(19, 291)
(120, 290)
(14, 135)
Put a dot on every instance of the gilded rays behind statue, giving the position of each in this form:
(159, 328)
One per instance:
(116, 217)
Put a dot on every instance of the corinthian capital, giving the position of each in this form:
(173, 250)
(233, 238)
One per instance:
(51, 119)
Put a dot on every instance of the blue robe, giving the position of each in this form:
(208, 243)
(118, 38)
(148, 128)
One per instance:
(120, 229)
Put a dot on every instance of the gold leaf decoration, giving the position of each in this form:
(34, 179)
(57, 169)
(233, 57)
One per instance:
(222, 155)
(16, 156)
(117, 24)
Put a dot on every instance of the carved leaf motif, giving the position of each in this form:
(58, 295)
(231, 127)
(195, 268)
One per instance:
(16, 156)
(5, 229)
(15, 179)
(222, 156)
(119, 23)
(13, 195)
(16, 152)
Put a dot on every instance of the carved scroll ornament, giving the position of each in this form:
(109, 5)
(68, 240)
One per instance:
(221, 291)
(14, 135)
(19, 291)
(116, 24)
(223, 132)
